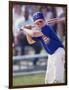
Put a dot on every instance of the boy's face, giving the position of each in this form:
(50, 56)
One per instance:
(40, 23)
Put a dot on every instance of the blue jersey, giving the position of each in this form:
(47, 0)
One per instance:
(49, 39)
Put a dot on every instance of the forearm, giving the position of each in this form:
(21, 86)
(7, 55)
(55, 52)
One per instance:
(28, 31)
(29, 39)
(32, 33)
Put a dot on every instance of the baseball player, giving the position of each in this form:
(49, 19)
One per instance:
(53, 46)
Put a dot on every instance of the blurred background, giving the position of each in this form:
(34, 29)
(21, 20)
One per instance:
(30, 61)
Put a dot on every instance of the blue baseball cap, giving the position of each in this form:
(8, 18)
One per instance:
(38, 16)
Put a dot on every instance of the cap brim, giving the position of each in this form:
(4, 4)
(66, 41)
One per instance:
(38, 20)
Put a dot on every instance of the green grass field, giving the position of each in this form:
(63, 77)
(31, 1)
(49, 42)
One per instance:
(34, 79)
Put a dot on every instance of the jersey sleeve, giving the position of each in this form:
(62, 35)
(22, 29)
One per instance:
(49, 31)
(46, 30)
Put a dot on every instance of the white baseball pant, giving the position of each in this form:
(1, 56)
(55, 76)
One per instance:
(55, 67)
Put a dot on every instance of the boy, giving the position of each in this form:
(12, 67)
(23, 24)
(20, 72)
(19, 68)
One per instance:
(52, 45)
